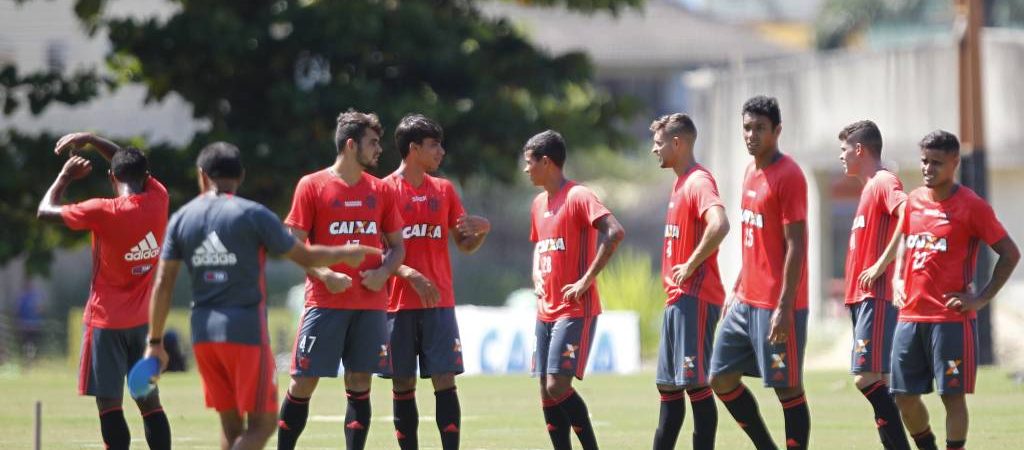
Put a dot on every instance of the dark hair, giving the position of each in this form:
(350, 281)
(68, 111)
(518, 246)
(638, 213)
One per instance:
(865, 133)
(129, 165)
(674, 125)
(414, 128)
(353, 124)
(220, 160)
(547, 143)
(763, 105)
(941, 140)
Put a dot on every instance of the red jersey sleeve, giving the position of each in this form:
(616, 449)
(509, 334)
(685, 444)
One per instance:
(893, 195)
(87, 215)
(455, 209)
(984, 223)
(587, 205)
(391, 217)
(705, 194)
(303, 210)
(155, 186)
(793, 196)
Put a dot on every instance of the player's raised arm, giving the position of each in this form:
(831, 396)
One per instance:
(609, 234)
(83, 140)
(470, 233)
(335, 282)
(50, 205)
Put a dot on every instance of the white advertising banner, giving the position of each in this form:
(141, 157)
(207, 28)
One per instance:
(498, 340)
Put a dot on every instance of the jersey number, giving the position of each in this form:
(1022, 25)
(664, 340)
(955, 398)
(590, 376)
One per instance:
(545, 264)
(306, 343)
(919, 259)
(748, 237)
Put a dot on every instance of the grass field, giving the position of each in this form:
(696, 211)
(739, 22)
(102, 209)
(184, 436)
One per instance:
(498, 413)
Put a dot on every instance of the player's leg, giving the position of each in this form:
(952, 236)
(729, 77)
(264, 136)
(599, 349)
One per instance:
(732, 356)
(403, 347)
(231, 428)
(567, 358)
(154, 420)
(782, 366)
(874, 321)
(673, 363)
(102, 370)
(954, 345)
(259, 428)
(365, 352)
(912, 377)
(316, 353)
(554, 417)
(441, 360)
(702, 399)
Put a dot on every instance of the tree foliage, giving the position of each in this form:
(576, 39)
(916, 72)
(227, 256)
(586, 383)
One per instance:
(271, 76)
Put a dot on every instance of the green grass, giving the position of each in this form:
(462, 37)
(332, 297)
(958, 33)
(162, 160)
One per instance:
(498, 413)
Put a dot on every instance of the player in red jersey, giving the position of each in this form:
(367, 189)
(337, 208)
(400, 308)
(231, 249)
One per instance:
(421, 311)
(874, 237)
(344, 320)
(695, 226)
(127, 232)
(936, 338)
(764, 331)
(574, 237)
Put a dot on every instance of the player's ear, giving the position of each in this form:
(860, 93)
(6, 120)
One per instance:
(241, 178)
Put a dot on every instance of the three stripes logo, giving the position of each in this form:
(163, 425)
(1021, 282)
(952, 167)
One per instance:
(147, 248)
(212, 252)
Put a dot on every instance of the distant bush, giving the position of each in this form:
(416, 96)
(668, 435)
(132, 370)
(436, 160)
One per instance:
(630, 283)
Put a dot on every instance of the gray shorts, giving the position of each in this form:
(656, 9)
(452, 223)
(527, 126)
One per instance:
(874, 322)
(563, 346)
(430, 336)
(107, 356)
(741, 345)
(684, 354)
(328, 338)
(943, 352)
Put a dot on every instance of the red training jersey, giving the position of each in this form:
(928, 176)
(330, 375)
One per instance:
(772, 198)
(429, 212)
(692, 195)
(942, 242)
(127, 233)
(876, 218)
(562, 228)
(335, 213)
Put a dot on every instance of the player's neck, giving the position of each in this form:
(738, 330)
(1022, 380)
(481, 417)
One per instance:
(684, 165)
(555, 184)
(868, 172)
(348, 169)
(127, 189)
(767, 158)
(412, 173)
(942, 192)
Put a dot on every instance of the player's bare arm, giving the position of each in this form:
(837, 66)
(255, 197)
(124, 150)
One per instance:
(609, 234)
(322, 255)
(782, 317)
(1009, 256)
(49, 207)
(160, 306)
(375, 279)
(423, 286)
(82, 141)
(717, 227)
(470, 232)
(899, 296)
(876, 270)
(335, 282)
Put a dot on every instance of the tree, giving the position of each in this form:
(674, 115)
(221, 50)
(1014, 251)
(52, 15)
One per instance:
(271, 76)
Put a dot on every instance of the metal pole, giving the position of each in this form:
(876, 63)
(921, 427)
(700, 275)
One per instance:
(973, 168)
(39, 425)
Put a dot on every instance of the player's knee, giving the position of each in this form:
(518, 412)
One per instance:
(723, 384)
(906, 402)
(105, 403)
(262, 426)
(954, 402)
(148, 403)
(558, 386)
(302, 387)
(443, 381)
(358, 381)
(403, 384)
(863, 380)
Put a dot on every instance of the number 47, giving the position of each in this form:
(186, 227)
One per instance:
(302, 343)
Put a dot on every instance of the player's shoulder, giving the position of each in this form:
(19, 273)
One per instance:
(789, 167)
(318, 178)
(578, 190)
(967, 195)
(884, 179)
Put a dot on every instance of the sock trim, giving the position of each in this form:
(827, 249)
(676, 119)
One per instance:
(733, 395)
(110, 410)
(353, 395)
(870, 389)
(672, 396)
(445, 391)
(407, 395)
(300, 401)
(568, 393)
(158, 410)
(794, 402)
(697, 395)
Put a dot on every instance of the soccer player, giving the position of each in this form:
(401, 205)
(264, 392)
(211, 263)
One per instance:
(764, 328)
(936, 337)
(695, 225)
(873, 241)
(127, 231)
(223, 240)
(343, 323)
(574, 236)
(421, 308)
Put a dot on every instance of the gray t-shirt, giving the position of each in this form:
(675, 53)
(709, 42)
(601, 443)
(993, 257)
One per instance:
(223, 240)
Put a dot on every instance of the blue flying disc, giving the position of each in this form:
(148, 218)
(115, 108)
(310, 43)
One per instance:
(140, 382)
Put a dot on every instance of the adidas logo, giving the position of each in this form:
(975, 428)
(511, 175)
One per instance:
(212, 252)
(147, 248)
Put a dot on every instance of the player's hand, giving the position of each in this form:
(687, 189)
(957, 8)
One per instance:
(572, 292)
(374, 279)
(71, 142)
(538, 287)
(424, 288)
(160, 353)
(355, 254)
(869, 276)
(899, 296)
(682, 272)
(963, 302)
(336, 282)
(76, 168)
(472, 225)
(781, 323)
